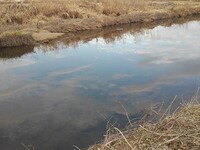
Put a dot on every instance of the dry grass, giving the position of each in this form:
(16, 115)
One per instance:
(68, 9)
(180, 130)
(12, 39)
(39, 13)
(28, 147)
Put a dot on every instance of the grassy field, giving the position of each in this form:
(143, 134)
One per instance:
(65, 16)
(180, 130)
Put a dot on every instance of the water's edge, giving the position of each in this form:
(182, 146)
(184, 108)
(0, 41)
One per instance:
(14, 39)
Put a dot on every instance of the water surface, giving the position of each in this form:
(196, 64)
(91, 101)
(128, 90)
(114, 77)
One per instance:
(61, 95)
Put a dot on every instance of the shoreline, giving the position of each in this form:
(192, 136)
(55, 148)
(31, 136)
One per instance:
(44, 32)
(179, 130)
(109, 34)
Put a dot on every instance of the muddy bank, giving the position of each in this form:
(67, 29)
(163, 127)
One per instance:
(22, 38)
(30, 24)
(110, 34)
(94, 23)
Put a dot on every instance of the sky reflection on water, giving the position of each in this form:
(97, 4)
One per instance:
(54, 99)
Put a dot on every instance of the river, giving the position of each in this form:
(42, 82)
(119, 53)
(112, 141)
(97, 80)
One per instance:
(64, 93)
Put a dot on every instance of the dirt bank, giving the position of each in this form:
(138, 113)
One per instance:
(41, 21)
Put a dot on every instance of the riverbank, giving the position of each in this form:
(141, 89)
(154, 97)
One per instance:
(42, 21)
(181, 130)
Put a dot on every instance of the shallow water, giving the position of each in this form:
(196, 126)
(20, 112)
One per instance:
(56, 96)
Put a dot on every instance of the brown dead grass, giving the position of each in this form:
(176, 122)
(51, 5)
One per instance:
(180, 130)
(39, 13)
(32, 12)
(12, 39)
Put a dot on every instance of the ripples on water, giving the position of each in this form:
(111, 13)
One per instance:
(62, 94)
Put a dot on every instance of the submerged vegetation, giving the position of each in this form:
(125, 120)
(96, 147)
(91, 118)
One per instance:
(180, 130)
(78, 15)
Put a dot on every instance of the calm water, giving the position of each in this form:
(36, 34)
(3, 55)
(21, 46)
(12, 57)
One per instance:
(63, 94)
